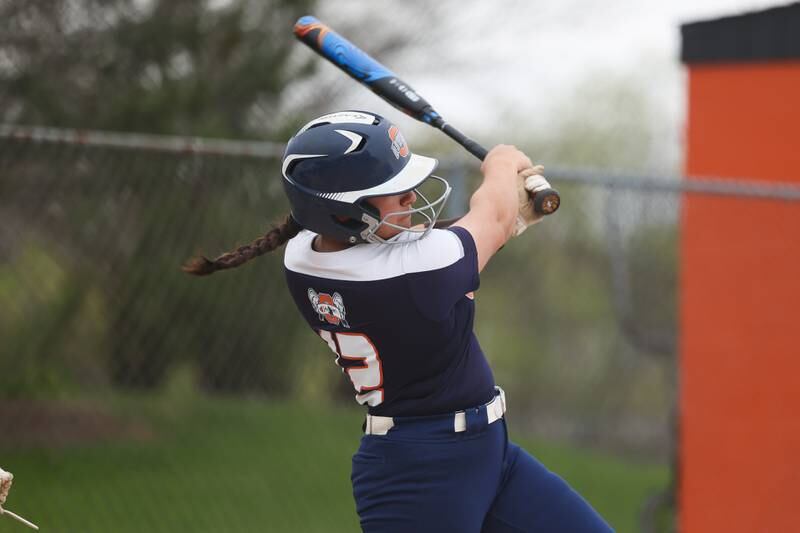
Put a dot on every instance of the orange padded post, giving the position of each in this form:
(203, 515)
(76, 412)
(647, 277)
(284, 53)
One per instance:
(740, 301)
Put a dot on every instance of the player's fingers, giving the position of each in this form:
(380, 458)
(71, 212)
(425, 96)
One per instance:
(525, 161)
(507, 154)
(531, 171)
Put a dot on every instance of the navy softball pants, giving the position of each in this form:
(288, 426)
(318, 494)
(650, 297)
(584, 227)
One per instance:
(424, 477)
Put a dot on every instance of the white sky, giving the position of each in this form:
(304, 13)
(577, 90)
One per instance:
(527, 62)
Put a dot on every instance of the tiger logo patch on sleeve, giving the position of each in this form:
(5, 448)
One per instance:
(329, 308)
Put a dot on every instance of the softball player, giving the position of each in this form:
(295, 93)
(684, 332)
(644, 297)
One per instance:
(394, 302)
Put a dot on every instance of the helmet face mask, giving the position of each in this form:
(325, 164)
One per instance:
(429, 211)
(337, 162)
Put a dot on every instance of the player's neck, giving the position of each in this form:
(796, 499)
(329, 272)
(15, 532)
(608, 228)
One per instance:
(322, 243)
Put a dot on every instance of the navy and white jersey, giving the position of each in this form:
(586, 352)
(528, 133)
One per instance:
(398, 317)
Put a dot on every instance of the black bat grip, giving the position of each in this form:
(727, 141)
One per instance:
(472, 147)
(545, 202)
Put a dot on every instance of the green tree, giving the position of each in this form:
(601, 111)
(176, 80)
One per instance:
(164, 66)
(119, 223)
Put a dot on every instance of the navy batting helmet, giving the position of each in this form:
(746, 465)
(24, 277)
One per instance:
(339, 160)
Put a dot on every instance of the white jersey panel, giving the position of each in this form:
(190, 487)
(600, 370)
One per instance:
(372, 262)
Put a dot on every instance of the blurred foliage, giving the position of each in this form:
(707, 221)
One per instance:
(92, 269)
(35, 310)
(177, 66)
(105, 232)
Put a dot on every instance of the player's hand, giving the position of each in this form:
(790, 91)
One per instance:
(503, 158)
(529, 181)
(5, 485)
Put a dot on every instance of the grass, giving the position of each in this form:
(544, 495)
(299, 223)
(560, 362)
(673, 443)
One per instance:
(234, 465)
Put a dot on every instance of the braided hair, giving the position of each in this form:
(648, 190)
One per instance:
(274, 238)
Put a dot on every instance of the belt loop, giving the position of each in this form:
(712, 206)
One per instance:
(378, 425)
(460, 422)
(502, 397)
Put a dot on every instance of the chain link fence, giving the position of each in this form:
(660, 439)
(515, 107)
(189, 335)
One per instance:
(172, 403)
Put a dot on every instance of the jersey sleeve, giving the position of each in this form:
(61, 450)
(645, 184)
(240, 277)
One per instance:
(441, 268)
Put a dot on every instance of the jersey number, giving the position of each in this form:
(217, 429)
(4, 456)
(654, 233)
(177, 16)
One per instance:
(359, 359)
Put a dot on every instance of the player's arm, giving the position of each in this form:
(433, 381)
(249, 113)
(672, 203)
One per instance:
(493, 207)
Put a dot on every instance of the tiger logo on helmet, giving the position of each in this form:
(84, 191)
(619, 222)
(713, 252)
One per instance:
(399, 145)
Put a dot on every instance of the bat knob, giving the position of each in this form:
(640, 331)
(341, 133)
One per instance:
(546, 202)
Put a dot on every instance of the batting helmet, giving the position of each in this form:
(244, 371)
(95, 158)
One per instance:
(338, 161)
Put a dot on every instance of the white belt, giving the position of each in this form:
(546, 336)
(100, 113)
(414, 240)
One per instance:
(380, 425)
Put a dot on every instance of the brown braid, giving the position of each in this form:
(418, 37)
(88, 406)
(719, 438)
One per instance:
(274, 238)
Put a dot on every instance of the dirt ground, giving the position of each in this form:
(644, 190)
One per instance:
(55, 424)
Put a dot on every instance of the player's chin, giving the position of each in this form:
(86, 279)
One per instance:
(398, 226)
(403, 222)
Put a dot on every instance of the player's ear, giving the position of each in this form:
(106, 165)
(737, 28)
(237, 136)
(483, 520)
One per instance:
(371, 208)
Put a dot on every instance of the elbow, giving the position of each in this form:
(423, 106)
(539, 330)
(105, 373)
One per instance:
(498, 217)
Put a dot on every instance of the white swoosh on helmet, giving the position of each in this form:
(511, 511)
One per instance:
(355, 139)
(290, 158)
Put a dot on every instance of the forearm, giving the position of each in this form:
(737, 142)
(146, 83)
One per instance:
(493, 207)
(496, 200)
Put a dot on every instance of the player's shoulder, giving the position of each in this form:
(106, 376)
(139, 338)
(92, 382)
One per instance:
(362, 262)
(369, 262)
(439, 249)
